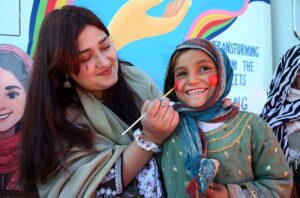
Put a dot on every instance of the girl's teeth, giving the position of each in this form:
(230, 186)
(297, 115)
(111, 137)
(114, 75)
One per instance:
(198, 91)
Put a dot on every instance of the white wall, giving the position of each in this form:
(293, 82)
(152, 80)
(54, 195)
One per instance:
(282, 27)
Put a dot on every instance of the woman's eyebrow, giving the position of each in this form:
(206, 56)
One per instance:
(10, 87)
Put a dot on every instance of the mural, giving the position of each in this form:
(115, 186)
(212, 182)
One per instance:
(146, 32)
(14, 68)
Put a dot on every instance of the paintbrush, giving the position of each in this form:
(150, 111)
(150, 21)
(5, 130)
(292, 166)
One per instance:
(166, 94)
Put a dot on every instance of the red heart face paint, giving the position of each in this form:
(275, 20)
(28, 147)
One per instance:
(213, 80)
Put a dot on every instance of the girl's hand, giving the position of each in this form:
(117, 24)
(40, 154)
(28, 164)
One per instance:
(160, 120)
(218, 191)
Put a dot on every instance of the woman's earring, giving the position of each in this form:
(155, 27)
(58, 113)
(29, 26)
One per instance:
(67, 83)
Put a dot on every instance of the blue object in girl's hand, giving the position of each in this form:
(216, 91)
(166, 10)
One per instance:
(207, 172)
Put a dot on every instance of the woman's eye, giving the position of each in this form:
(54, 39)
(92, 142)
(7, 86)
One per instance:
(13, 95)
(105, 47)
(85, 58)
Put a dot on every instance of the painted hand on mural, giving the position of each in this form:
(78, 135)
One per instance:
(132, 23)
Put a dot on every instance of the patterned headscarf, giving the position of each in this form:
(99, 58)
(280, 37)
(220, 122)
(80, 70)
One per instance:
(278, 110)
(191, 137)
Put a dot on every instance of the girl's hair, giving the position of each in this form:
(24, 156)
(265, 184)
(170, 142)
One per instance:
(46, 131)
(169, 79)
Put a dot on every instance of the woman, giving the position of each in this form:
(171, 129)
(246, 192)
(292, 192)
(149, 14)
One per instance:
(81, 98)
(14, 67)
(282, 109)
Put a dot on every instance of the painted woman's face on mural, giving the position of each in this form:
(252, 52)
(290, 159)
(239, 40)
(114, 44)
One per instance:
(12, 101)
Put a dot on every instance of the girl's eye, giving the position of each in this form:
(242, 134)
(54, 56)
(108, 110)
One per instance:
(12, 95)
(204, 68)
(180, 74)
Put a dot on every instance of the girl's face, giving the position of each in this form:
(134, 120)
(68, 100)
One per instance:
(99, 63)
(196, 74)
(12, 102)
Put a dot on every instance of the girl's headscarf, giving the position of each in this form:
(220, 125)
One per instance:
(191, 137)
(278, 111)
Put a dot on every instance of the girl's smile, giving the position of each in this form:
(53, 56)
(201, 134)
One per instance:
(195, 91)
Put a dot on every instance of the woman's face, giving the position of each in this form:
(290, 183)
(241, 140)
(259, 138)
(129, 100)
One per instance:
(12, 100)
(196, 75)
(99, 63)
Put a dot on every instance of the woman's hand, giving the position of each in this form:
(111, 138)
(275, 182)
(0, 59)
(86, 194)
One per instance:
(160, 120)
(218, 191)
(226, 102)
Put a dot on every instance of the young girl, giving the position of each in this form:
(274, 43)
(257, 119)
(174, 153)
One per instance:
(251, 161)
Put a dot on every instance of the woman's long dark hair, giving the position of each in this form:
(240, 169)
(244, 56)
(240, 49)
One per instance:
(46, 131)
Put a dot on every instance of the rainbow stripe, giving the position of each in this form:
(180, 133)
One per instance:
(40, 9)
(213, 22)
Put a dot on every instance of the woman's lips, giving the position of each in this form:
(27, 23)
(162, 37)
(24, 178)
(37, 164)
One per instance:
(106, 72)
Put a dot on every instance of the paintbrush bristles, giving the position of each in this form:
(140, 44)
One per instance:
(166, 94)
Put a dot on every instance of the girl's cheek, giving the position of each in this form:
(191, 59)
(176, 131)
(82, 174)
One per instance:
(213, 80)
(176, 84)
(179, 84)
